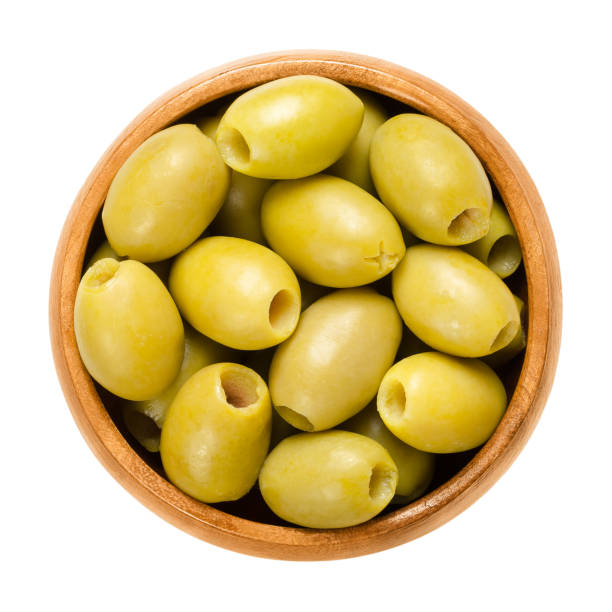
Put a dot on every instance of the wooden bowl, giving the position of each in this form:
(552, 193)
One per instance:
(543, 287)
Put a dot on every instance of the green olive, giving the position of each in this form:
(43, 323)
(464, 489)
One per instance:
(161, 268)
(431, 180)
(289, 128)
(516, 345)
(330, 231)
(327, 480)
(354, 165)
(165, 194)
(415, 468)
(240, 215)
(145, 419)
(128, 329)
(453, 302)
(332, 365)
(441, 404)
(236, 292)
(217, 433)
(499, 249)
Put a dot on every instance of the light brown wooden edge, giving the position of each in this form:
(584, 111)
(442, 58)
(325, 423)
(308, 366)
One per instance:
(427, 513)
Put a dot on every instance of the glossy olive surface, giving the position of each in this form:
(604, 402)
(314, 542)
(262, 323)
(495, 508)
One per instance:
(128, 329)
(327, 480)
(415, 468)
(354, 165)
(289, 128)
(441, 404)
(331, 366)
(499, 249)
(431, 180)
(515, 346)
(165, 194)
(330, 231)
(453, 302)
(217, 432)
(200, 351)
(236, 292)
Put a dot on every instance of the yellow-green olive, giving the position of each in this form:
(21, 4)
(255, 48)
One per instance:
(499, 249)
(145, 419)
(128, 329)
(165, 194)
(431, 180)
(453, 302)
(289, 128)
(327, 480)
(330, 368)
(515, 346)
(441, 404)
(354, 165)
(161, 268)
(217, 433)
(415, 468)
(240, 215)
(330, 231)
(236, 292)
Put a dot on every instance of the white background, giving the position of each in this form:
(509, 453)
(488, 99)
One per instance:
(73, 75)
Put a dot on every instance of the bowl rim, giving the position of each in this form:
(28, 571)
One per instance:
(544, 313)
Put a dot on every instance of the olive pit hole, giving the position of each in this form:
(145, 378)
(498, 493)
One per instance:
(295, 418)
(468, 226)
(240, 388)
(505, 256)
(394, 399)
(284, 311)
(233, 146)
(101, 272)
(505, 335)
(382, 481)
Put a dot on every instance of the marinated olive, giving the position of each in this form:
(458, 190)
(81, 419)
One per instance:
(289, 128)
(330, 231)
(499, 249)
(236, 292)
(415, 468)
(217, 432)
(145, 419)
(354, 165)
(431, 180)
(331, 366)
(328, 479)
(515, 346)
(165, 194)
(453, 302)
(128, 329)
(441, 404)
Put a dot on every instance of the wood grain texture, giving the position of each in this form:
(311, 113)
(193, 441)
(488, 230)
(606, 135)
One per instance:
(543, 287)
